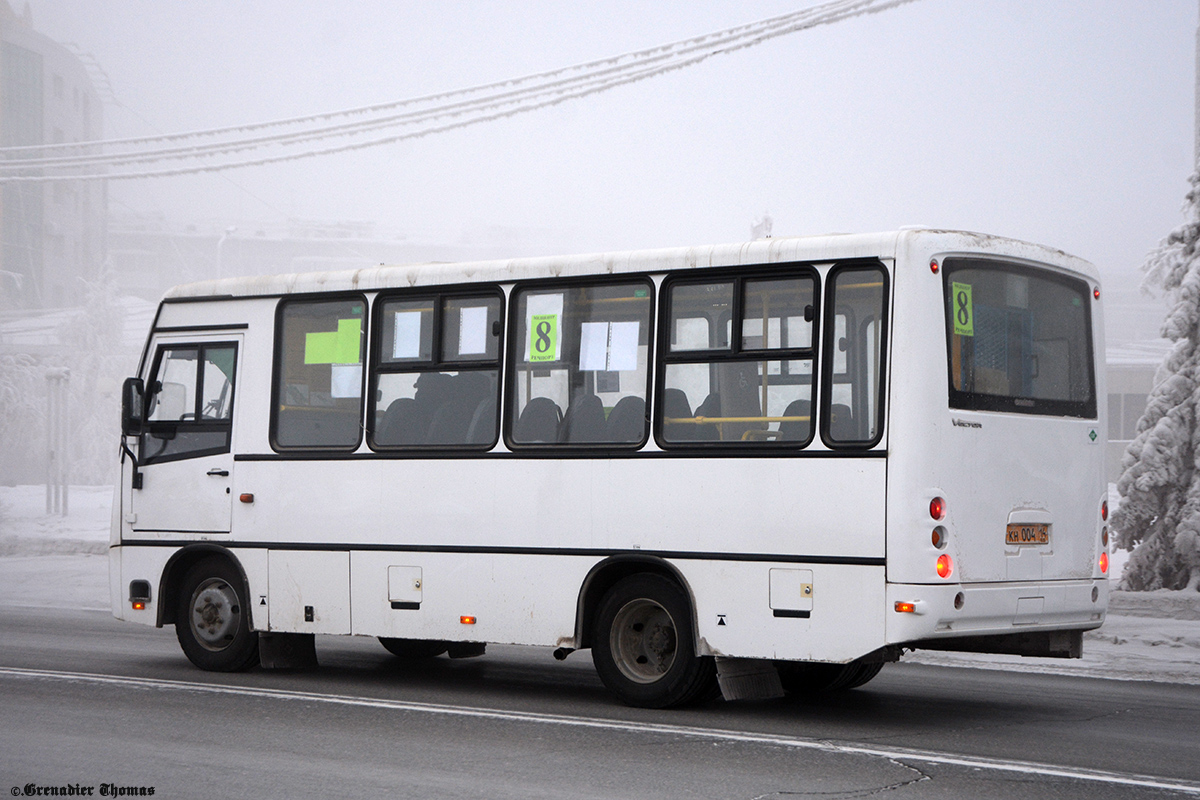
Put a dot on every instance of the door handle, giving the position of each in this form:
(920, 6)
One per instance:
(223, 473)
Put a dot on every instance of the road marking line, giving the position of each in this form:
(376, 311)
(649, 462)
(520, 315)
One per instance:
(715, 734)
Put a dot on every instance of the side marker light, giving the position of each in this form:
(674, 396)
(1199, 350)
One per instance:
(465, 620)
(905, 608)
(944, 566)
(1096, 293)
(246, 498)
(933, 266)
(139, 605)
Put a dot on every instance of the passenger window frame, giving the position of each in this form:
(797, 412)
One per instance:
(515, 353)
(435, 362)
(858, 383)
(734, 352)
(277, 366)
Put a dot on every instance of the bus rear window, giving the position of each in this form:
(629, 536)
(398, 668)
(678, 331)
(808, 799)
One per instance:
(1019, 339)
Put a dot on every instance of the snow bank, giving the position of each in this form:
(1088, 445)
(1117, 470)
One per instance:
(59, 562)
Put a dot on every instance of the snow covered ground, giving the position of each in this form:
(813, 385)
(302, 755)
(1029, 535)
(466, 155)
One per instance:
(59, 562)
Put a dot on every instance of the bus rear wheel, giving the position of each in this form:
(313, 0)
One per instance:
(643, 648)
(211, 620)
(800, 677)
(413, 648)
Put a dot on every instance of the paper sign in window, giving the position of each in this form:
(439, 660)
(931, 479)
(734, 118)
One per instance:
(472, 330)
(593, 346)
(345, 380)
(623, 346)
(406, 338)
(549, 308)
(543, 337)
(963, 309)
(335, 347)
(608, 346)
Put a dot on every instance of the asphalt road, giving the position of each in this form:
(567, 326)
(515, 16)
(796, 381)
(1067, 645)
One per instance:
(91, 702)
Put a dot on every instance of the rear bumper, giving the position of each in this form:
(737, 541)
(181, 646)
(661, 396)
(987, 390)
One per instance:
(993, 609)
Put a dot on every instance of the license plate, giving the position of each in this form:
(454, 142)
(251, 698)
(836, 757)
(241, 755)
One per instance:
(1027, 533)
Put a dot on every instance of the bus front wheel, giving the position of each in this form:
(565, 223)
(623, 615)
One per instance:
(211, 621)
(643, 647)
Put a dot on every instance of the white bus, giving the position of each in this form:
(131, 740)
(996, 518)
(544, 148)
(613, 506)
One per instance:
(783, 462)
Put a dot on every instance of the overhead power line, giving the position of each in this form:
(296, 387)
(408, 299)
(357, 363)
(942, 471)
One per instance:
(305, 137)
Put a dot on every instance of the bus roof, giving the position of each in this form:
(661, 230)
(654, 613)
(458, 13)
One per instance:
(827, 247)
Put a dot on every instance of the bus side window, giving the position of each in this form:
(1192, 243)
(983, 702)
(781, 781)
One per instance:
(318, 397)
(854, 348)
(436, 372)
(738, 368)
(581, 365)
(189, 402)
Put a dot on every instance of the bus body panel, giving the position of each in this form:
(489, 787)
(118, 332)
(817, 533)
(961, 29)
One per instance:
(992, 468)
(715, 507)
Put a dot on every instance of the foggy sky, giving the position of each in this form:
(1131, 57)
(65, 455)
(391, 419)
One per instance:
(1065, 122)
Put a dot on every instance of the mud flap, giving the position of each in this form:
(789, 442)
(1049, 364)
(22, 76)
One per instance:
(748, 679)
(287, 650)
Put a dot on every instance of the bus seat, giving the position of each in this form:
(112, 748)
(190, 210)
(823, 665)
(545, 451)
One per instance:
(627, 420)
(676, 406)
(451, 421)
(402, 423)
(538, 422)
(841, 423)
(482, 428)
(584, 420)
(796, 430)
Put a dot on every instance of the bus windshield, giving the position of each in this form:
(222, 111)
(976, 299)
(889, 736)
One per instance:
(1019, 339)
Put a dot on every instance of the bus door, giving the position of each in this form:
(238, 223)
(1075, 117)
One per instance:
(184, 449)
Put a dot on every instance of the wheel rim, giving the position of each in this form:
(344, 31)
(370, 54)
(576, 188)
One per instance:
(643, 641)
(216, 614)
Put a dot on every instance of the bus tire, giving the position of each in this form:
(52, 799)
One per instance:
(413, 648)
(211, 620)
(643, 647)
(861, 674)
(800, 677)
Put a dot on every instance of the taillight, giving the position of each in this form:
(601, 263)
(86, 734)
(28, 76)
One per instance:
(945, 566)
(937, 508)
(1104, 563)
(1104, 511)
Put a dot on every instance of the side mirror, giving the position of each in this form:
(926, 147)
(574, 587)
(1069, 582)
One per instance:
(133, 406)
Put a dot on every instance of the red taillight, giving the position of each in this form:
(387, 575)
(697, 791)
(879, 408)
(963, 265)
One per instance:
(944, 566)
(1104, 563)
(937, 508)
(1104, 511)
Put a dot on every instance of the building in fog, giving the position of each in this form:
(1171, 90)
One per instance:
(52, 233)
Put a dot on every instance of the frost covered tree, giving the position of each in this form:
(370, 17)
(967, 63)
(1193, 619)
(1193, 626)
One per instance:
(1159, 515)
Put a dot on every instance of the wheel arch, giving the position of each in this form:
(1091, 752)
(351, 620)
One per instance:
(604, 575)
(178, 565)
